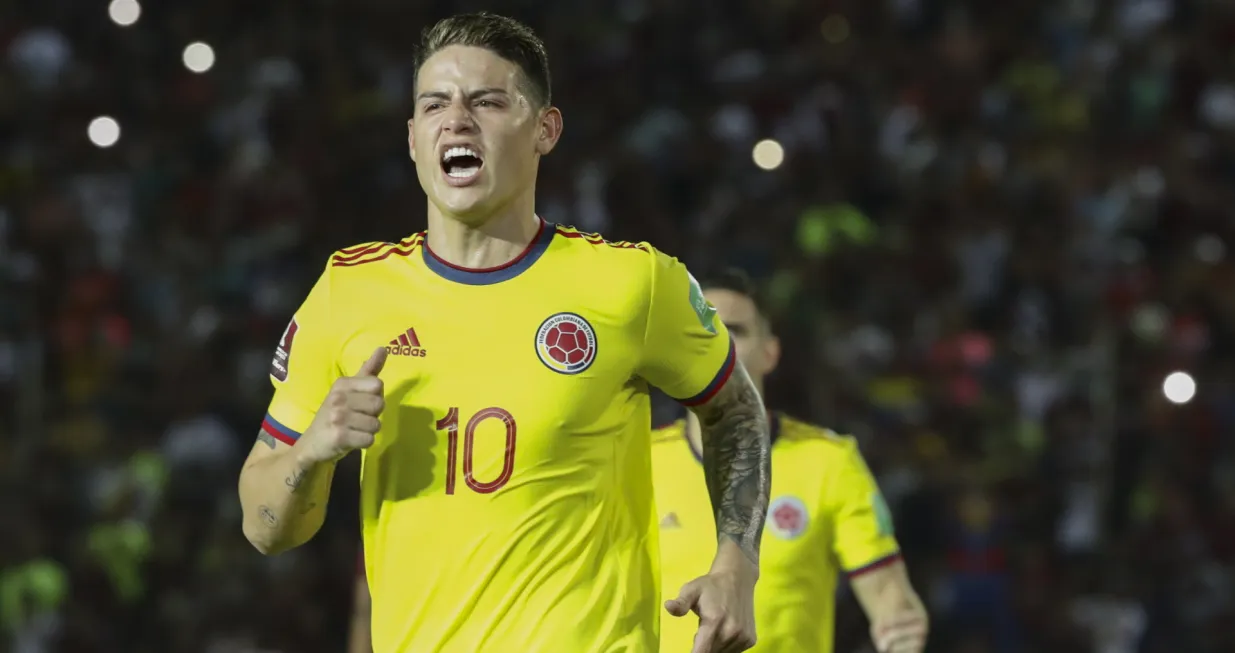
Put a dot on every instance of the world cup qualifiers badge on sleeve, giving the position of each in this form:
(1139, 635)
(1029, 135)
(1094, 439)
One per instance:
(283, 353)
(703, 309)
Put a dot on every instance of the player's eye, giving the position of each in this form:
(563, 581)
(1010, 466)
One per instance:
(488, 104)
(432, 106)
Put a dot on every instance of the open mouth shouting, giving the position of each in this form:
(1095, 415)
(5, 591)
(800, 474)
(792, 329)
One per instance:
(461, 164)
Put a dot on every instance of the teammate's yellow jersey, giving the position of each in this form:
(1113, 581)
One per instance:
(826, 514)
(507, 501)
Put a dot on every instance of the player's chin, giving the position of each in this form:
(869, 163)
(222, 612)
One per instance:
(464, 202)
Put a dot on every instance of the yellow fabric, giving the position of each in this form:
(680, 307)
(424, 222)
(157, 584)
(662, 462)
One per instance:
(506, 503)
(826, 515)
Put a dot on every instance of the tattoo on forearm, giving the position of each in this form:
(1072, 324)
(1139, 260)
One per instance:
(266, 439)
(736, 448)
(302, 484)
(296, 479)
(267, 516)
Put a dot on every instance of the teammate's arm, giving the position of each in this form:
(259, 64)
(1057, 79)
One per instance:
(688, 353)
(898, 619)
(866, 546)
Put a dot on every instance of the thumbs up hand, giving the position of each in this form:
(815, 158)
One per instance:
(349, 416)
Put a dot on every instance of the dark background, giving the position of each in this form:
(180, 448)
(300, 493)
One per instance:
(999, 225)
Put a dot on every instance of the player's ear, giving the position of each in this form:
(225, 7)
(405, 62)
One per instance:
(771, 353)
(550, 130)
(411, 140)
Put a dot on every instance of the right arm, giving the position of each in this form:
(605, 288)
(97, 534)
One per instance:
(283, 495)
(285, 482)
(283, 489)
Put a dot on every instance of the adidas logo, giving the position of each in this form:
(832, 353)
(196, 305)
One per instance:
(407, 344)
(670, 521)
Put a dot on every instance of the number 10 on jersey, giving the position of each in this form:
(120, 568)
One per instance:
(450, 424)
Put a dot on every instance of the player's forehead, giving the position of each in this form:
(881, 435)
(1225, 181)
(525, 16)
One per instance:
(732, 306)
(466, 68)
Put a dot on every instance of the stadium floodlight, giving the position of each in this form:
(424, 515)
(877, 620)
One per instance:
(1179, 387)
(768, 154)
(103, 131)
(198, 57)
(124, 12)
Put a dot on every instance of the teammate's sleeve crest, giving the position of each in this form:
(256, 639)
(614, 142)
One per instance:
(883, 515)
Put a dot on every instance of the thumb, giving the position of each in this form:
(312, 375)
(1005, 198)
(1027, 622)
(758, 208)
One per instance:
(373, 366)
(688, 596)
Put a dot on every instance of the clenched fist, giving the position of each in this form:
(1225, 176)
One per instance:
(349, 416)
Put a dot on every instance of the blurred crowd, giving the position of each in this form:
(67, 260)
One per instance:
(996, 228)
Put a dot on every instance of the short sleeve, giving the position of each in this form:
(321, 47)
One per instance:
(304, 366)
(864, 538)
(687, 352)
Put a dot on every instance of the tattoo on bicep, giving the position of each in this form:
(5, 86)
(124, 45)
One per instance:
(736, 448)
(266, 439)
(267, 516)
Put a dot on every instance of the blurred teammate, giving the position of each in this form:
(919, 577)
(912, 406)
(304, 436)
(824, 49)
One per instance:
(826, 515)
(495, 371)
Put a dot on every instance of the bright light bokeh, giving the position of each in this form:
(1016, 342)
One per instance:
(768, 154)
(103, 131)
(198, 57)
(1179, 387)
(124, 12)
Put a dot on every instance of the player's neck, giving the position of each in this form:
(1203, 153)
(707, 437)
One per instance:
(491, 244)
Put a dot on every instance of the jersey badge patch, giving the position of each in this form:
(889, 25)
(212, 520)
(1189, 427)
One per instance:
(883, 515)
(787, 517)
(566, 343)
(703, 308)
(283, 353)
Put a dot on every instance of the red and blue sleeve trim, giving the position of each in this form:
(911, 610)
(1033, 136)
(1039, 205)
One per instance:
(873, 566)
(278, 431)
(718, 381)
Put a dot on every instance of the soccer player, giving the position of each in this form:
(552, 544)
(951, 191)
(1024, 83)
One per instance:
(826, 514)
(495, 371)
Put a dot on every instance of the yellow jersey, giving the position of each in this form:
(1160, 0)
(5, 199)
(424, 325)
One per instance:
(507, 500)
(826, 514)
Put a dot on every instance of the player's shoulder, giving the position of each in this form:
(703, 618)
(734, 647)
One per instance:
(669, 433)
(600, 250)
(798, 434)
(367, 258)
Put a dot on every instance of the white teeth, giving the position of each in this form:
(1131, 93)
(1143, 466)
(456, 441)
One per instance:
(457, 152)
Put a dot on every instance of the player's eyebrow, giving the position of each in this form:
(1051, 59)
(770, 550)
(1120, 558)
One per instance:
(443, 95)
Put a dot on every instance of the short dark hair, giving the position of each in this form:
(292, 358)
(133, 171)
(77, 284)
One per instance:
(505, 37)
(738, 281)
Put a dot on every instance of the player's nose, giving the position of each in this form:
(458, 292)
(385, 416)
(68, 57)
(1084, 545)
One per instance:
(458, 120)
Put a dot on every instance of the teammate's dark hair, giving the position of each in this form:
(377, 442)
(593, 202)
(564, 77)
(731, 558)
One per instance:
(736, 280)
(505, 37)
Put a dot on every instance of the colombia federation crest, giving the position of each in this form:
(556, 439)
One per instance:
(566, 343)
